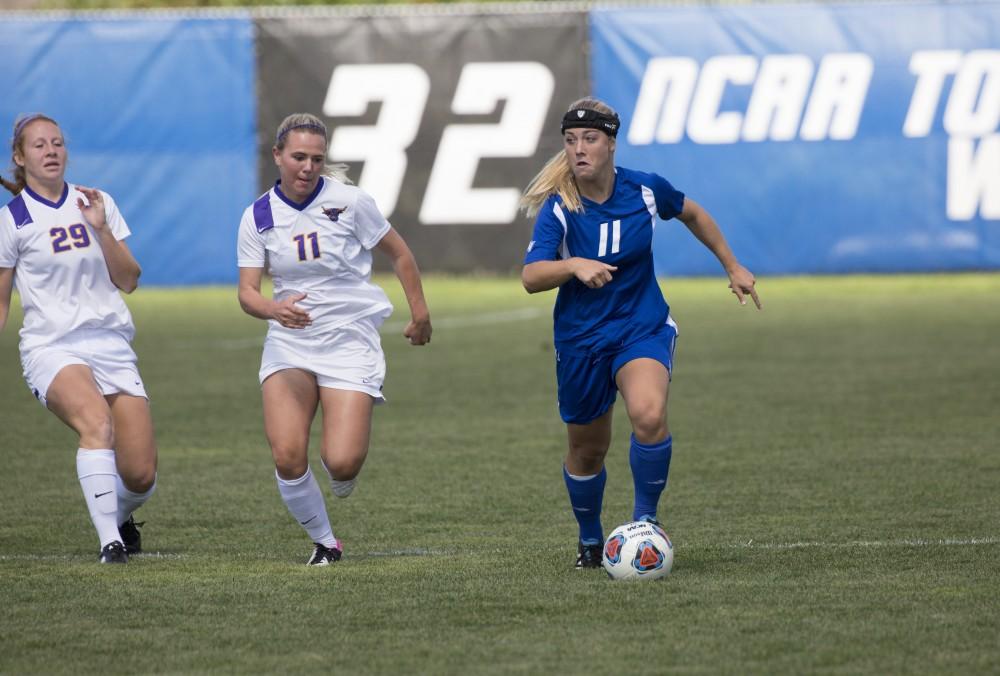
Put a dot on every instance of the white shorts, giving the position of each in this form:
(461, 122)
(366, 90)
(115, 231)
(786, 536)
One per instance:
(107, 353)
(347, 358)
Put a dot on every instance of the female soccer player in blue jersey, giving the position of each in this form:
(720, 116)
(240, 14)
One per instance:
(613, 331)
(314, 234)
(63, 245)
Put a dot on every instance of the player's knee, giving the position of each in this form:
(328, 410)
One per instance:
(588, 454)
(343, 469)
(290, 463)
(649, 423)
(140, 480)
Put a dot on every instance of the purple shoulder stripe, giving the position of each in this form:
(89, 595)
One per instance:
(19, 210)
(262, 217)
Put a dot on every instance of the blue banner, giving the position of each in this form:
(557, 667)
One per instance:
(160, 112)
(823, 138)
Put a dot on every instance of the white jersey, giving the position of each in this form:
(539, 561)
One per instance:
(322, 248)
(59, 267)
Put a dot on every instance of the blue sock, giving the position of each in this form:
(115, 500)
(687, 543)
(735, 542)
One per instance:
(650, 466)
(586, 497)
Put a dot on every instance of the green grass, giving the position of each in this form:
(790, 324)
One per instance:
(833, 499)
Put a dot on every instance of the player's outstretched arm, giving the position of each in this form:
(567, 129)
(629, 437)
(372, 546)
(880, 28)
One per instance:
(6, 288)
(418, 330)
(703, 226)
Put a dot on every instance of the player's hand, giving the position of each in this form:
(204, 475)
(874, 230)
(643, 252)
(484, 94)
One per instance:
(594, 274)
(290, 315)
(742, 281)
(93, 210)
(418, 331)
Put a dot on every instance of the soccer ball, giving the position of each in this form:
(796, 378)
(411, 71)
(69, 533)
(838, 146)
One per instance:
(638, 551)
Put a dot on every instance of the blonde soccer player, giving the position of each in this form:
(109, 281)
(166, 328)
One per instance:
(314, 234)
(63, 246)
(592, 240)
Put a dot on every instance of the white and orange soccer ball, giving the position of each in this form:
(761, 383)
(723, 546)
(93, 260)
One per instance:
(638, 551)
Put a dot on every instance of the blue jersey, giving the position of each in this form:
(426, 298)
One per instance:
(618, 232)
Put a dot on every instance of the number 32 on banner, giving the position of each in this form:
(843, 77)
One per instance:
(525, 87)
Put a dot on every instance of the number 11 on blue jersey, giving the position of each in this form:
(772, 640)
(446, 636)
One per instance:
(616, 236)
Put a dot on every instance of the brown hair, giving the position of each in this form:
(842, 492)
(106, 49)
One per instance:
(556, 177)
(17, 146)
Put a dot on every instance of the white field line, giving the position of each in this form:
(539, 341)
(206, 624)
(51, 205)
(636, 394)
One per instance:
(398, 552)
(457, 322)
(484, 319)
(820, 544)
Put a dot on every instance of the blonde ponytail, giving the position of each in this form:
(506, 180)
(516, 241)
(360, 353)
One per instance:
(555, 178)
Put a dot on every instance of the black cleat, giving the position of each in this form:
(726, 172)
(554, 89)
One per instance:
(589, 556)
(114, 552)
(131, 537)
(324, 556)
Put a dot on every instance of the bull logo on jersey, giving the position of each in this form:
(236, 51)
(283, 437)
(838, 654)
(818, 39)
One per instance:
(333, 213)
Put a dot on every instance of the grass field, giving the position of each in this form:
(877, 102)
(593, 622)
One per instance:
(833, 499)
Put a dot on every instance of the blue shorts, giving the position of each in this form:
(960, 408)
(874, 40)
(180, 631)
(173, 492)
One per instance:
(586, 382)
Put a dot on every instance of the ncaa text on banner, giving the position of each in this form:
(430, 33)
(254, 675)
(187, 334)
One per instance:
(786, 102)
(677, 97)
(523, 89)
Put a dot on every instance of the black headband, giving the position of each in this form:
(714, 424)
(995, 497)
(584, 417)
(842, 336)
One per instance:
(590, 119)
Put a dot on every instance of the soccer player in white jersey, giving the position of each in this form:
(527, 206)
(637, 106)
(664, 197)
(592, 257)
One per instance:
(314, 234)
(613, 331)
(63, 246)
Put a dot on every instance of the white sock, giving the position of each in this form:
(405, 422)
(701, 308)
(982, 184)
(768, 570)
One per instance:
(97, 474)
(305, 501)
(342, 488)
(128, 501)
